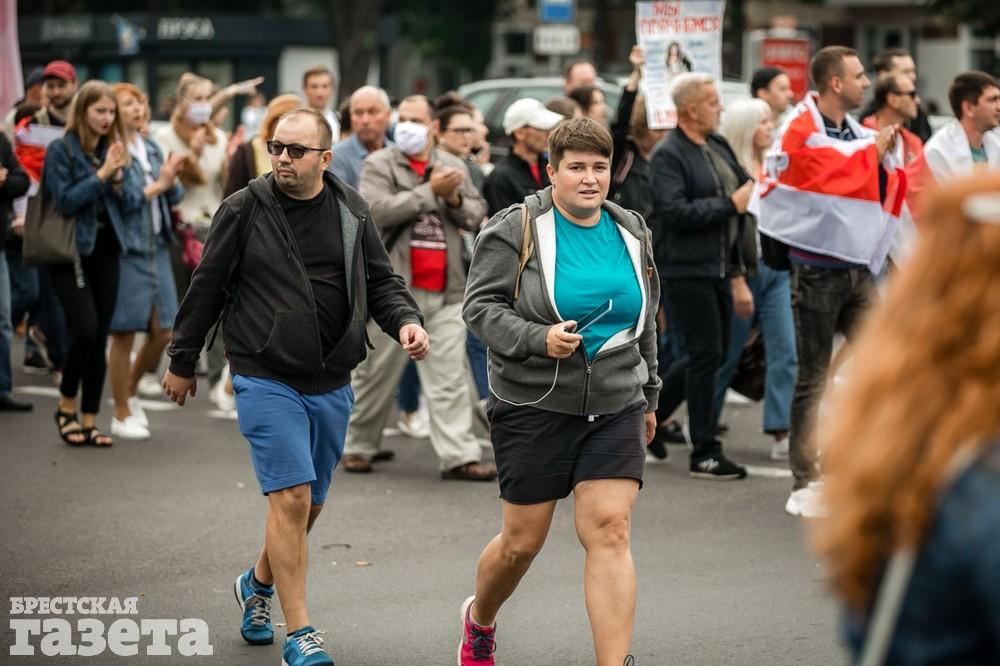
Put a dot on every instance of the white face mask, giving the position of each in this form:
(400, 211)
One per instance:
(199, 113)
(411, 137)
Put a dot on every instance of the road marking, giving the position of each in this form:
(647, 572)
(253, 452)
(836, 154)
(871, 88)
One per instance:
(46, 391)
(769, 472)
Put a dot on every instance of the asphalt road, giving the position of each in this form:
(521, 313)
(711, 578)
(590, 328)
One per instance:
(724, 575)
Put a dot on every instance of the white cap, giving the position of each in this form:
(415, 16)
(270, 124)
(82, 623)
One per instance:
(529, 113)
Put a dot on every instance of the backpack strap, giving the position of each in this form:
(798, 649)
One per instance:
(527, 247)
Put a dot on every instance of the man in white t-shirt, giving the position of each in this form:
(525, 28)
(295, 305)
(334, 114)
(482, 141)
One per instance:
(320, 90)
(969, 143)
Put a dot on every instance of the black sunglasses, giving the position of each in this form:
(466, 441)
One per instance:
(908, 93)
(295, 151)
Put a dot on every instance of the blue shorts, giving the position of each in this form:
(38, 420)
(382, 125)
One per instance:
(294, 438)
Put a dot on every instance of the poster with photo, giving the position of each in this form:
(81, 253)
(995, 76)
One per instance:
(677, 37)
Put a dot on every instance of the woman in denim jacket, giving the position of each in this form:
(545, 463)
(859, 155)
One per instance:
(913, 455)
(84, 174)
(147, 295)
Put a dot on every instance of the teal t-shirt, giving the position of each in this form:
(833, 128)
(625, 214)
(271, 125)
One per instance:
(979, 155)
(593, 265)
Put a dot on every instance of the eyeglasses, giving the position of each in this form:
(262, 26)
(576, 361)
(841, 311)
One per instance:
(295, 151)
(461, 130)
(908, 93)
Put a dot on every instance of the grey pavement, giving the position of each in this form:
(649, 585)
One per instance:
(724, 575)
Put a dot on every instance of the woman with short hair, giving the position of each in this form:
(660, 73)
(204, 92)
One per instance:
(572, 371)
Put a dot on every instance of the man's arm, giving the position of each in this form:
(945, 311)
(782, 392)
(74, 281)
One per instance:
(205, 297)
(389, 206)
(17, 181)
(675, 209)
(470, 213)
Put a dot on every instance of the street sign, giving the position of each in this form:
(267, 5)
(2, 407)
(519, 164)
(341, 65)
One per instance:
(557, 40)
(791, 55)
(556, 11)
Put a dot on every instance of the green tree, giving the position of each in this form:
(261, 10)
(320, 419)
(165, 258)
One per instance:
(985, 13)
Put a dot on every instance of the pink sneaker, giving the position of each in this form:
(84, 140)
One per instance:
(477, 646)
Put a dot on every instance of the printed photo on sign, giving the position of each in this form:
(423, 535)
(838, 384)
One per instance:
(677, 37)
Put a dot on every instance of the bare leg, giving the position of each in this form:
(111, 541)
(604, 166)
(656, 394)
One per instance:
(118, 371)
(287, 550)
(149, 354)
(262, 569)
(507, 557)
(603, 515)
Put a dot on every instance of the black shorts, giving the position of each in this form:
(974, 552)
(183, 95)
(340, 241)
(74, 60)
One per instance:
(542, 455)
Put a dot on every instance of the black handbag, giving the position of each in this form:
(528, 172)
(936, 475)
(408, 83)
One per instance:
(748, 380)
(49, 236)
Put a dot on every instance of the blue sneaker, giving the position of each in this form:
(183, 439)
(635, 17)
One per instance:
(305, 648)
(255, 602)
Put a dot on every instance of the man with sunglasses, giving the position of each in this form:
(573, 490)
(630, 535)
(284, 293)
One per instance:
(294, 265)
(896, 104)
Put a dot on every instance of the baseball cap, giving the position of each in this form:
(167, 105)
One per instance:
(529, 113)
(34, 78)
(59, 69)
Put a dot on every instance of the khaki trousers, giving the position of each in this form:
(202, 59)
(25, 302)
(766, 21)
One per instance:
(443, 380)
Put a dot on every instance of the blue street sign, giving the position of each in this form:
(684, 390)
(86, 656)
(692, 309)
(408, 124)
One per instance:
(556, 11)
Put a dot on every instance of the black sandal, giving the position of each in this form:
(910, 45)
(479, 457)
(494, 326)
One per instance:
(97, 438)
(66, 420)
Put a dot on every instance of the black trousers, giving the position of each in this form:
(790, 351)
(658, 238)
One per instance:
(702, 308)
(88, 291)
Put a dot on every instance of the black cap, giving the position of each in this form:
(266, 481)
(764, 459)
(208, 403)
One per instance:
(34, 78)
(762, 79)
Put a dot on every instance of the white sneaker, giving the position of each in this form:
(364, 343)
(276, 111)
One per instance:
(135, 406)
(807, 502)
(130, 428)
(150, 387)
(779, 450)
(223, 400)
(415, 425)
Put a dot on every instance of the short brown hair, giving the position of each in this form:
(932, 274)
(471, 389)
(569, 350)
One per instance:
(828, 63)
(317, 70)
(583, 135)
(969, 87)
(883, 61)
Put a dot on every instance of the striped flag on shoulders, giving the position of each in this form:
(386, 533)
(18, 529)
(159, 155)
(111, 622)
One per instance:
(821, 194)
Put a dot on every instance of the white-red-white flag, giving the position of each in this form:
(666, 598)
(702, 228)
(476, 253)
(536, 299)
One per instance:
(11, 79)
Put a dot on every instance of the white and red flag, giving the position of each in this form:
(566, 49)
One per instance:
(821, 194)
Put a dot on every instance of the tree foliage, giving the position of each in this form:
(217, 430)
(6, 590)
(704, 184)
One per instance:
(984, 13)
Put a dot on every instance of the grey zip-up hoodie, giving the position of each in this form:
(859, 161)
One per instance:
(621, 374)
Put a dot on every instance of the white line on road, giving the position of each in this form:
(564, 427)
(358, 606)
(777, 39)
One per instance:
(769, 472)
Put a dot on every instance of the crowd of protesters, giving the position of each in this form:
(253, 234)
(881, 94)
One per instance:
(757, 226)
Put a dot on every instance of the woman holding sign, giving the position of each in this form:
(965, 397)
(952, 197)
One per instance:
(572, 369)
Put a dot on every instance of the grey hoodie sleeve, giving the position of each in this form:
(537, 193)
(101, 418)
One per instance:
(648, 342)
(489, 293)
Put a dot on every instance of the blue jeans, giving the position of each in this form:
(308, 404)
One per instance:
(6, 331)
(408, 397)
(671, 341)
(32, 294)
(772, 303)
(476, 351)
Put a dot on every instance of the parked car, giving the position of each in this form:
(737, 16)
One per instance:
(493, 96)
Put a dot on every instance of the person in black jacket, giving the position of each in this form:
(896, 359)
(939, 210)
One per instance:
(522, 172)
(13, 183)
(700, 196)
(634, 143)
(294, 265)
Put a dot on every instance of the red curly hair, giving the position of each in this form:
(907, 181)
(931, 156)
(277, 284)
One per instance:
(925, 383)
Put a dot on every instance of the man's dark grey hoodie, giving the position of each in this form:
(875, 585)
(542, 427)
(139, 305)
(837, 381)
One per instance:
(271, 325)
(621, 374)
